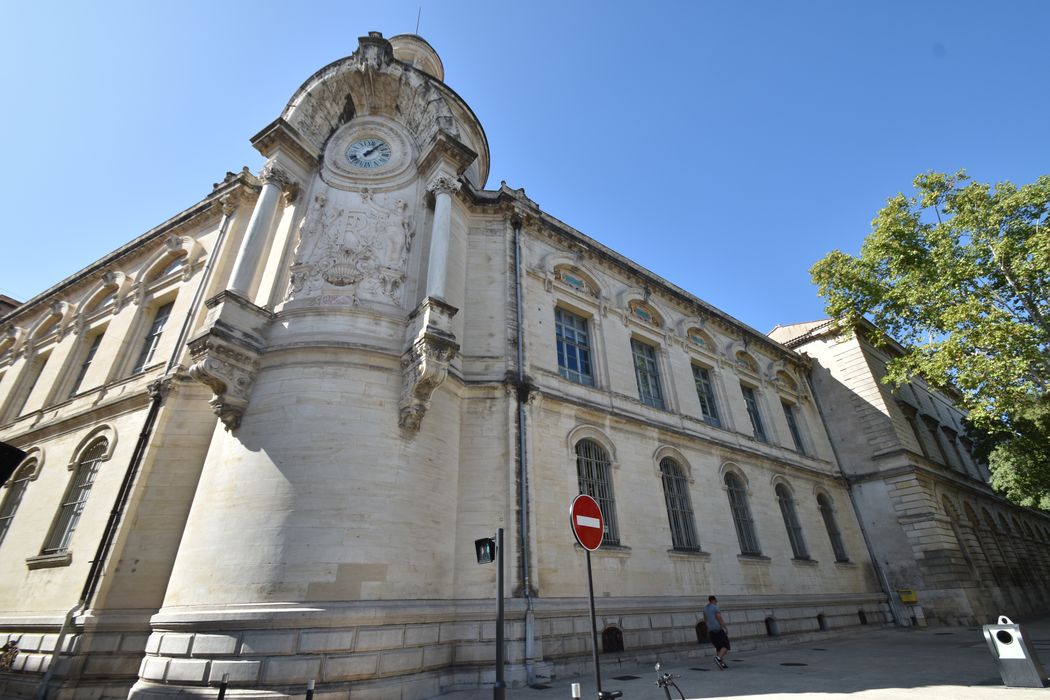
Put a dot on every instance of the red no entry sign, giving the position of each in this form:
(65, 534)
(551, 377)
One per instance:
(587, 523)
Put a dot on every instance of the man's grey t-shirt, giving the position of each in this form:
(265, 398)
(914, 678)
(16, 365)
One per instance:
(709, 617)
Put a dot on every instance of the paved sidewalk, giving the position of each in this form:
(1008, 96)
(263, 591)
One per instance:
(942, 663)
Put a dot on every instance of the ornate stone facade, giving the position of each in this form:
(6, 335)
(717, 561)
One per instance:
(287, 413)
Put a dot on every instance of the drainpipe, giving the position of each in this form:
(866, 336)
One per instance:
(157, 393)
(883, 582)
(523, 389)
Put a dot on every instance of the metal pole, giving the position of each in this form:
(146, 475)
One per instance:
(499, 691)
(594, 628)
(309, 690)
(222, 686)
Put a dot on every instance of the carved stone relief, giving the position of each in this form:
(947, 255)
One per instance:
(353, 249)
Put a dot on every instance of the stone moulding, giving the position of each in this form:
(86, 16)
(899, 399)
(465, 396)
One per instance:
(225, 354)
(424, 365)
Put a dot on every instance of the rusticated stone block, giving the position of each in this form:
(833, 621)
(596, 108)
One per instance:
(187, 670)
(400, 661)
(290, 670)
(265, 643)
(341, 668)
(239, 671)
(174, 644)
(214, 645)
(154, 668)
(326, 641)
(376, 639)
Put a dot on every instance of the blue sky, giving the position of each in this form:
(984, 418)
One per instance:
(726, 146)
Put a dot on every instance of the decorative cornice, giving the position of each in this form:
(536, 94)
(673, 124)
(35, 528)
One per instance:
(225, 355)
(424, 366)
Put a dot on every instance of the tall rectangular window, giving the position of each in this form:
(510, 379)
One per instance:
(574, 347)
(83, 370)
(28, 383)
(791, 522)
(152, 339)
(752, 412)
(679, 507)
(741, 510)
(15, 490)
(595, 479)
(648, 375)
(792, 421)
(705, 391)
(76, 497)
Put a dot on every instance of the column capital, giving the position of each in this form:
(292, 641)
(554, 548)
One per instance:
(443, 184)
(274, 174)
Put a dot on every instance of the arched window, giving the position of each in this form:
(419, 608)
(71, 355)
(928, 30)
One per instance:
(176, 263)
(16, 488)
(745, 524)
(593, 469)
(791, 523)
(76, 497)
(828, 514)
(679, 506)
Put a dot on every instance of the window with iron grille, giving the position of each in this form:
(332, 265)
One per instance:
(574, 347)
(648, 375)
(152, 339)
(593, 469)
(705, 390)
(16, 488)
(742, 520)
(791, 523)
(826, 512)
(76, 497)
(82, 372)
(752, 412)
(679, 506)
(792, 421)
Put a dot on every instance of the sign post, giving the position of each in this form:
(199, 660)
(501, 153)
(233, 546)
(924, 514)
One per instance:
(588, 526)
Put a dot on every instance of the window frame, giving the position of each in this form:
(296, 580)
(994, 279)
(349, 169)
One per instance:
(582, 352)
(75, 498)
(827, 514)
(87, 357)
(680, 516)
(794, 425)
(705, 392)
(651, 377)
(754, 413)
(740, 510)
(594, 478)
(13, 493)
(792, 524)
(150, 342)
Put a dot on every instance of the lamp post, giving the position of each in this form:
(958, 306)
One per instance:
(487, 551)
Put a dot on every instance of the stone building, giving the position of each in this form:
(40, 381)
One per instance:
(263, 436)
(935, 525)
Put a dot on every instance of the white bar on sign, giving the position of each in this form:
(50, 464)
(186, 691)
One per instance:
(584, 521)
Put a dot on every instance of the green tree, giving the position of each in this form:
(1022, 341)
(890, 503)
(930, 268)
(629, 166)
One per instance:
(959, 275)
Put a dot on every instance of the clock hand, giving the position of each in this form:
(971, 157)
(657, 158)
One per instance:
(371, 150)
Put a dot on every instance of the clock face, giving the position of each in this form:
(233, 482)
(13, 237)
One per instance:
(368, 154)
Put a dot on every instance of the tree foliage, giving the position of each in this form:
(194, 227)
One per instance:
(959, 275)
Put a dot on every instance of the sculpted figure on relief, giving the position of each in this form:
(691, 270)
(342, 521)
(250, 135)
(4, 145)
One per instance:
(353, 248)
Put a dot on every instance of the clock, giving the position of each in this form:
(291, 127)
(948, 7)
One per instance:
(368, 153)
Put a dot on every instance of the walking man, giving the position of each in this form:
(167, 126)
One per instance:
(716, 630)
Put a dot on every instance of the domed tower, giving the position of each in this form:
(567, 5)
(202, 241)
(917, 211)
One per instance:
(322, 540)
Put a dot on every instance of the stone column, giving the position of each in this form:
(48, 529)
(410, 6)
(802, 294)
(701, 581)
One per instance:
(437, 270)
(256, 238)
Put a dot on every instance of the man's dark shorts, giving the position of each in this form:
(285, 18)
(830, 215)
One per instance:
(720, 640)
